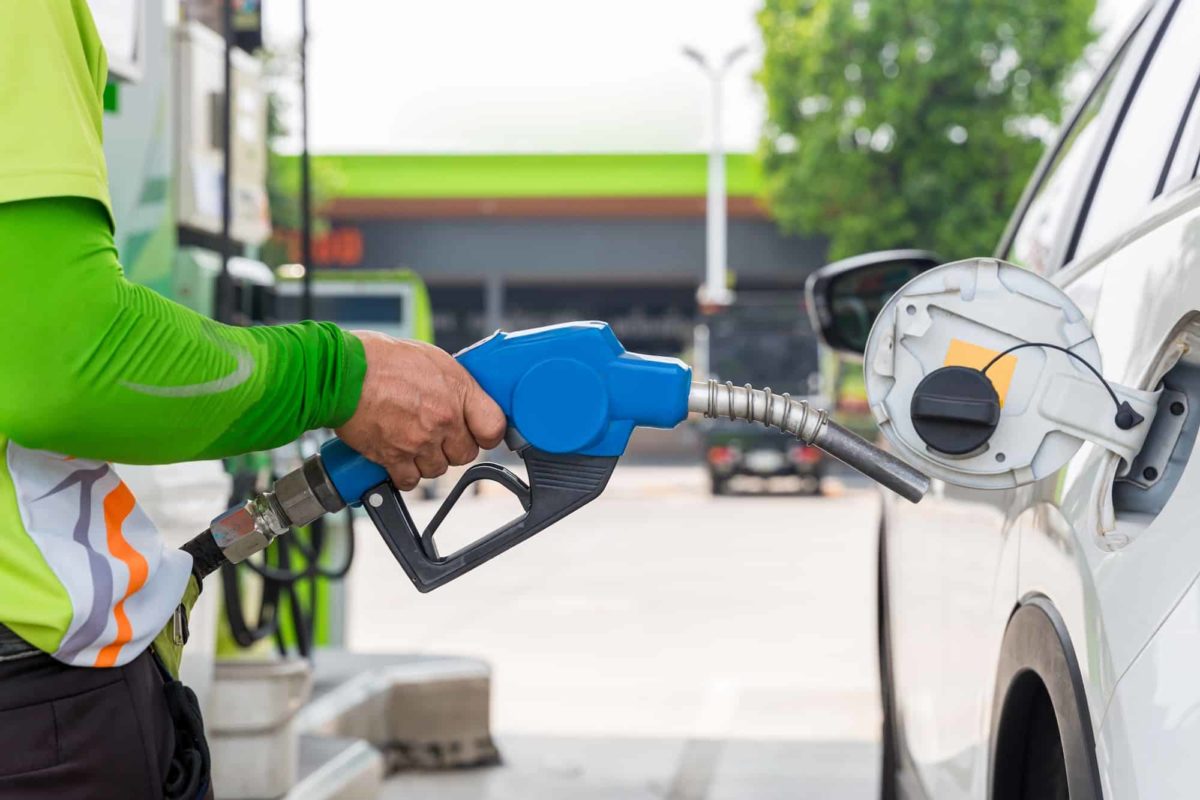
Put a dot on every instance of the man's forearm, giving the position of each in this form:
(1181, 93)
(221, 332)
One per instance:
(94, 366)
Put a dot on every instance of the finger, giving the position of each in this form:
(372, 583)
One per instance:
(484, 417)
(460, 449)
(431, 462)
(405, 475)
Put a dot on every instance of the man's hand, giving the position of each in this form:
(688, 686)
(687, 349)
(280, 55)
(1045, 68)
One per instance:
(420, 411)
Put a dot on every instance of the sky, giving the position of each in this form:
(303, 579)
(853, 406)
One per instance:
(522, 75)
(481, 76)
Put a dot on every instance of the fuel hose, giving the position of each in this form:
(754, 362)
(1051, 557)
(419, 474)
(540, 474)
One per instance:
(810, 425)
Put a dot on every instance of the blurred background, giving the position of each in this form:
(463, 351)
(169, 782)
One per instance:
(678, 169)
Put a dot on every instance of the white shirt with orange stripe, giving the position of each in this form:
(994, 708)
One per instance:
(102, 582)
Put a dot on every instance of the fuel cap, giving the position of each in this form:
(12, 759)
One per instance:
(956, 404)
(955, 410)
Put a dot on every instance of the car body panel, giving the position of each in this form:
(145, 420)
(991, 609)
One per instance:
(1140, 565)
(1123, 583)
(1147, 745)
(956, 564)
(1114, 578)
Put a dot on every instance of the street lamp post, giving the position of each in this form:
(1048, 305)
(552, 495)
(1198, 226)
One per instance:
(306, 220)
(715, 290)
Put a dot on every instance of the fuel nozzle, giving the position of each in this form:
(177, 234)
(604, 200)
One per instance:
(810, 425)
(572, 396)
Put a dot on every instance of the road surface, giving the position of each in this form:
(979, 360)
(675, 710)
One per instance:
(659, 643)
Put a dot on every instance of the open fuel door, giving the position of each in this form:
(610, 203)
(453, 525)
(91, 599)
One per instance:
(987, 376)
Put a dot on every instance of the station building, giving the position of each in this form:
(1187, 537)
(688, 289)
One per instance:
(526, 240)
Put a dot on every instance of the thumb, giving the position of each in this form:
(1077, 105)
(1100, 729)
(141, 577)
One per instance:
(484, 418)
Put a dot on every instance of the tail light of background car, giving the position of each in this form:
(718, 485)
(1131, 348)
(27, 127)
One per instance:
(723, 455)
(804, 454)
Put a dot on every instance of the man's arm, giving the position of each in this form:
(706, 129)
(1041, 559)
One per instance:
(94, 366)
(97, 367)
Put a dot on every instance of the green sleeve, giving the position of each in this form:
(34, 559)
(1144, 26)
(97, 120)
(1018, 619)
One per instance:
(97, 367)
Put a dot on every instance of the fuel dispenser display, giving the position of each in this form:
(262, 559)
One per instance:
(986, 375)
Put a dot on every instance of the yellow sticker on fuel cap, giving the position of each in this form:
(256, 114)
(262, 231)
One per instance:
(965, 354)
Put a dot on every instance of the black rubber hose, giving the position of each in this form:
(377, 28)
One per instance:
(311, 556)
(312, 550)
(206, 556)
(282, 574)
(303, 624)
(244, 487)
(267, 624)
(280, 580)
(339, 572)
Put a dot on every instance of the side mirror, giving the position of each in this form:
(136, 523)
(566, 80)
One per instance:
(845, 297)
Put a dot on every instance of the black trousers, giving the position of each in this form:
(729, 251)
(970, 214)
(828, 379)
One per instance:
(73, 733)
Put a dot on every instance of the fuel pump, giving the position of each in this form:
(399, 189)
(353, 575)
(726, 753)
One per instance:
(986, 375)
(572, 396)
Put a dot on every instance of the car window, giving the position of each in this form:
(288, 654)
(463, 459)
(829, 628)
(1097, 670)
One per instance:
(1183, 164)
(1142, 137)
(1034, 241)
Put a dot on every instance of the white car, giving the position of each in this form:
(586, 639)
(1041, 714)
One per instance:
(1044, 641)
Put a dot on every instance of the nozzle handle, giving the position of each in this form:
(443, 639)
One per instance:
(559, 484)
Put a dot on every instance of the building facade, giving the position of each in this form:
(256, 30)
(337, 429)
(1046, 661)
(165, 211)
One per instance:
(525, 240)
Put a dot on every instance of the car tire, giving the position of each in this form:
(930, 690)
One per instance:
(889, 766)
(1042, 740)
(1045, 766)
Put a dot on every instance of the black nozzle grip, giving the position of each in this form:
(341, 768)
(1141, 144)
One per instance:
(476, 473)
(559, 484)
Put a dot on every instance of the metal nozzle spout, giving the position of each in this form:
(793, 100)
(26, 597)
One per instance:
(812, 426)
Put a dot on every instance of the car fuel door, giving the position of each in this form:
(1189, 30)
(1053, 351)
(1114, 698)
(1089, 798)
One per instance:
(987, 376)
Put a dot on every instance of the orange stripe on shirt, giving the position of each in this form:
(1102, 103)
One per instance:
(118, 504)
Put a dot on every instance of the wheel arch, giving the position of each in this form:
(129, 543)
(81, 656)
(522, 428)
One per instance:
(1037, 650)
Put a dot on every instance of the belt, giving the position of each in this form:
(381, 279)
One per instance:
(13, 646)
(168, 644)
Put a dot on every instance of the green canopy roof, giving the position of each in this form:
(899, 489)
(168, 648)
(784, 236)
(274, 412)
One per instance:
(567, 175)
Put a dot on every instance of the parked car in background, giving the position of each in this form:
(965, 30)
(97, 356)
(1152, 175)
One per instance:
(763, 339)
(1044, 641)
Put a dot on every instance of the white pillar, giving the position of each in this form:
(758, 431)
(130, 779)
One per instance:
(716, 252)
(715, 289)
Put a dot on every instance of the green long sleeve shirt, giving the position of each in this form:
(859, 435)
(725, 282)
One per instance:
(95, 369)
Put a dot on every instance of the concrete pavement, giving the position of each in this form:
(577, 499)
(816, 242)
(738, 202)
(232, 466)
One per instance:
(658, 643)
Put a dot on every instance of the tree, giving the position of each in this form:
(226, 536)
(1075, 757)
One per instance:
(911, 123)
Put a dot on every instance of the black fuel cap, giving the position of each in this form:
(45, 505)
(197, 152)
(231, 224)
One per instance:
(955, 410)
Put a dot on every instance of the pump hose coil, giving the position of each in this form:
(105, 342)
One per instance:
(717, 400)
(810, 425)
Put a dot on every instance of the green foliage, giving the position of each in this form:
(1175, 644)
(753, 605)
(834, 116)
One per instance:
(910, 123)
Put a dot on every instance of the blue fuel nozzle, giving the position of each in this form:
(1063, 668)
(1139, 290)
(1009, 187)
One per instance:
(573, 396)
(568, 388)
(574, 389)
